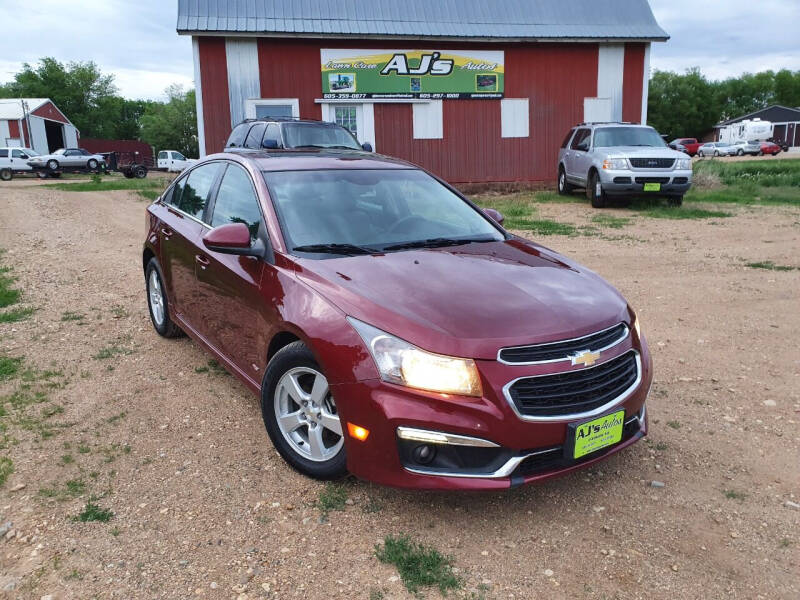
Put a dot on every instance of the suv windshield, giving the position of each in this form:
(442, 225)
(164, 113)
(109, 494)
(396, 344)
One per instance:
(298, 135)
(627, 136)
(350, 211)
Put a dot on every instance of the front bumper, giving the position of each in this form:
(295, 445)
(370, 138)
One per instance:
(630, 182)
(490, 447)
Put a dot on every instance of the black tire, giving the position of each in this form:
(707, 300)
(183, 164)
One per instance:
(140, 172)
(565, 188)
(740, 152)
(761, 153)
(127, 174)
(52, 164)
(92, 164)
(166, 328)
(597, 200)
(774, 154)
(716, 153)
(55, 175)
(675, 200)
(6, 174)
(295, 355)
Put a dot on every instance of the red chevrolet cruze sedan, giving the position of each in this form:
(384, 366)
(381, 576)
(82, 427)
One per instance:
(390, 327)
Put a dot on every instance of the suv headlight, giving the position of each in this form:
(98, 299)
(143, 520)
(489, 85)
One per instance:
(404, 364)
(683, 164)
(615, 164)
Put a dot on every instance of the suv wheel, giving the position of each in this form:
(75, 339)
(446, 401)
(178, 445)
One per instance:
(5, 174)
(594, 191)
(300, 414)
(564, 187)
(157, 302)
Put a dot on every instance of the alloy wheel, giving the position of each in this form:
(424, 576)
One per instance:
(156, 298)
(306, 414)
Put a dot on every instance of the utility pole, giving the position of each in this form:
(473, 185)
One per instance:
(26, 116)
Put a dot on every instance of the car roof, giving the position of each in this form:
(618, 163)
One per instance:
(305, 160)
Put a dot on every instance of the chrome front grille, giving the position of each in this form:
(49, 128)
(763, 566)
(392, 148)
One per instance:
(652, 163)
(576, 393)
(564, 349)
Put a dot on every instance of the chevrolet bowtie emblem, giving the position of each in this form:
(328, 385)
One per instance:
(586, 358)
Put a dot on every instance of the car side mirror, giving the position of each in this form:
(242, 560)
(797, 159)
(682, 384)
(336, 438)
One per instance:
(583, 146)
(270, 144)
(24, 156)
(234, 238)
(495, 215)
(367, 147)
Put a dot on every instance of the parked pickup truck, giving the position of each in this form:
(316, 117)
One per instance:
(691, 144)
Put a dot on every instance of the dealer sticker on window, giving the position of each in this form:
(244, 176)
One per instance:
(652, 187)
(598, 433)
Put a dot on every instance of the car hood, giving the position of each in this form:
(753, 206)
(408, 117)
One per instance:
(642, 151)
(469, 300)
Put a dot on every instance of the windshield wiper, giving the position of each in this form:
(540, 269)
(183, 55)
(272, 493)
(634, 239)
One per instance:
(336, 249)
(439, 242)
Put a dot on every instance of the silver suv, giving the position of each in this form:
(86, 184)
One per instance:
(617, 160)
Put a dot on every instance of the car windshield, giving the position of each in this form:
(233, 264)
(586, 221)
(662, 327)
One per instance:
(299, 135)
(59, 151)
(627, 136)
(722, 144)
(355, 211)
(30, 152)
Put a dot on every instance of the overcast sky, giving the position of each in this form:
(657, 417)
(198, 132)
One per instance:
(136, 40)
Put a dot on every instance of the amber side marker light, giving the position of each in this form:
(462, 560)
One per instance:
(357, 432)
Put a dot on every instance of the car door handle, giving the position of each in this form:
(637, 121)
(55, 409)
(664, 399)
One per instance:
(202, 260)
(167, 232)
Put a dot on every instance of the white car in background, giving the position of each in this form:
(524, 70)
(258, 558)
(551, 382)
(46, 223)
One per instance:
(716, 149)
(68, 158)
(173, 161)
(14, 160)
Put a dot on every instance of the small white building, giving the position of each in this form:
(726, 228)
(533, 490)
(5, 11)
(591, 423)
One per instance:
(35, 123)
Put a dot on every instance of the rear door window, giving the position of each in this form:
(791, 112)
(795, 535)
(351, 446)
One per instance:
(566, 139)
(238, 135)
(3, 153)
(273, 134)
(237, 201)
(162, 155)
(196, 189)
(253, 139)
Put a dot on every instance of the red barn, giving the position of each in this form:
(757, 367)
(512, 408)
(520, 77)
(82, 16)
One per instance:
(35, 123)
(473, 91)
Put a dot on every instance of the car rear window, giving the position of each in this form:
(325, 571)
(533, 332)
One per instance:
(253, 139)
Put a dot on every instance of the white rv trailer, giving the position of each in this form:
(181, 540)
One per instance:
(746, 131)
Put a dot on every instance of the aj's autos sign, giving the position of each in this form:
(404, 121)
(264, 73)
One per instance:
(435, 74)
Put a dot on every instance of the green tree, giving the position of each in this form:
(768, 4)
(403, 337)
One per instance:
(77, 88)
(172, 125)
(685, 105)
(787, 88)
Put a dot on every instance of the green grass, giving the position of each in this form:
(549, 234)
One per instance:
(16, 314)
(546, 227)
(770, 266)
(8, 294)
(605, 220)
(418, 565)
(679, 212)
(734, 495)
(72, 316)
(151, 186)
(332, 497)
(6, 469)
(111, 351)
(9, 366)
(92, 512)
(766, 173)
(519, 210)
(674, 424)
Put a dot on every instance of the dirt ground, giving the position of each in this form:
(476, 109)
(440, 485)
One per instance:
(203, 507)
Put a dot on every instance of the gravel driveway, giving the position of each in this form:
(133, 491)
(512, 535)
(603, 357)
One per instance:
(102, 408)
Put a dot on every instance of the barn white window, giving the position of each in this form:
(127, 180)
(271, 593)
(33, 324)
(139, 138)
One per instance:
(428, 121)
(261, 108)
(359, 118)
(514, 118)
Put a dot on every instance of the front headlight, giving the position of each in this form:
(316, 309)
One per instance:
(615, 164)
(636, 326)
(404, 364)
(683, 163)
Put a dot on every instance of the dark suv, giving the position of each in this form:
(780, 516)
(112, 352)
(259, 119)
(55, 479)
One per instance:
(300, 134)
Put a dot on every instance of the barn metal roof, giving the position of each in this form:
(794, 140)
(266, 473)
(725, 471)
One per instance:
(11, 108)
(498, 20)
(775, 113)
